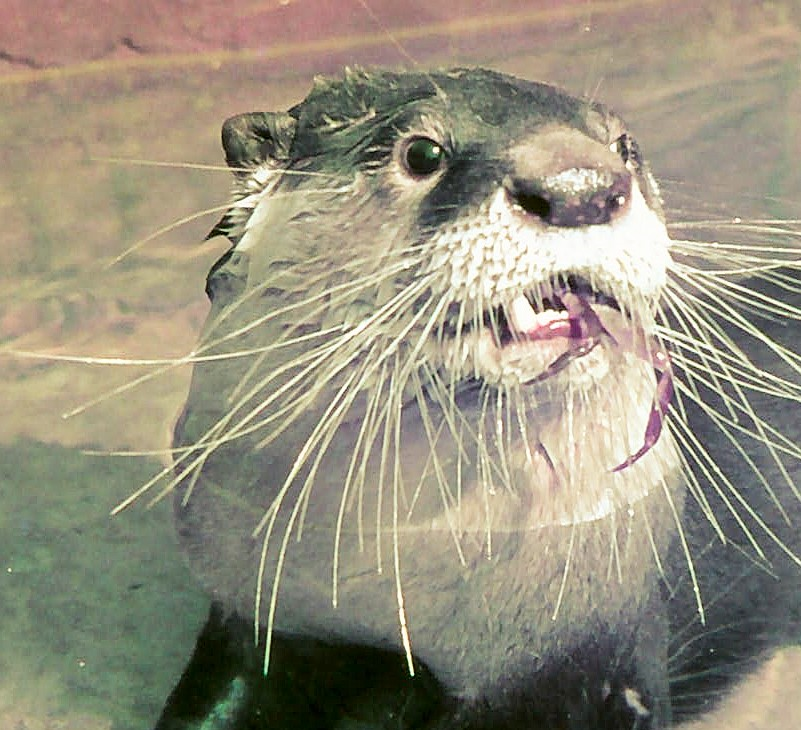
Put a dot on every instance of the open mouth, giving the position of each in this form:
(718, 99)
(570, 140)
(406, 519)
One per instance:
(537, 334)
(567, 307)
(540, 333)
(534, 335)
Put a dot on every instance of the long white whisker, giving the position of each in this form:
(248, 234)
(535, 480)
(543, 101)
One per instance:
(565, 572)
(165, 230)
(396, 486)
(375, 411)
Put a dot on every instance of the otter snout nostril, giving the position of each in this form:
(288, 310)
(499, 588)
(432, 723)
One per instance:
(573, 197)
(532, 200)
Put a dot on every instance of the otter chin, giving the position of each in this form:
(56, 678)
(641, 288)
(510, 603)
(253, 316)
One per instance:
(443, 406)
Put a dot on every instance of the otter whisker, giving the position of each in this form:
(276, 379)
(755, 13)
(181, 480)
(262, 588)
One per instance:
(329, 294)
(613, 565)
(731, 258)
(168, 364)
(329, 424)
(695, 333)
(382, 469)
(449, 499)
(731, 315)
(143, 489)
(694, 451)
(714, 329)
(374, 413)
(690, 357)
(446, 399)
(522, 427)
(392, 349)
(769, 271)
(769, 226)
(369, 370)
(396, 402)
(457, 349)
(688, 644)
(485, 463)
(338, 405)
(565, 572)
(310, 361)
(132, 161)
(209, 443)
(311, 442)
(304, 269)
(742, 403)
(164, 230)
(660, 568)
(124, 388)
(769, 490)
(698, 493)
(314, 358)
(727, 591)
(682, 536)
(501, 436)
(776, 441)
(95, 360)
(703, 460)
(749, 298)
(431, 466)
(721, 262)
(761, 431)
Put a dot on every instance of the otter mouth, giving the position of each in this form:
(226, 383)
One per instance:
(563, 308)
(537, 334)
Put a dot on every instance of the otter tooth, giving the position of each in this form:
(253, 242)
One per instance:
(525, 321)
(521, 315)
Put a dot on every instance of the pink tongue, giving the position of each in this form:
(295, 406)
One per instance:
(563, 326)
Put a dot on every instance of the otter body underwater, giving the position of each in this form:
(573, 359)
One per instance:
(474, 441)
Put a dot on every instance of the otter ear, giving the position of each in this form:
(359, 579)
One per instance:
(250, 139)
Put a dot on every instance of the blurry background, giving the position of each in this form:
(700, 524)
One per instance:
(98, 614)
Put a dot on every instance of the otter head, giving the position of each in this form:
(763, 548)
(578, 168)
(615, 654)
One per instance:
(430, 386)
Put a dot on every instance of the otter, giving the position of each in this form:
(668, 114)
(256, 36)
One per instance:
(471, 440)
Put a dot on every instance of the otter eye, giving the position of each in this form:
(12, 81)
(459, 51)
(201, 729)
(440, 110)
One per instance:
(626, 147)
(423, 156)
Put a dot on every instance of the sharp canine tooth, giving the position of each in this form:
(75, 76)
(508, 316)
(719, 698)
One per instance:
(521, 315)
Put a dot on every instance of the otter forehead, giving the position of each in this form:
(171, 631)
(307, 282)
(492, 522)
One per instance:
(492, 98)
(475, 105)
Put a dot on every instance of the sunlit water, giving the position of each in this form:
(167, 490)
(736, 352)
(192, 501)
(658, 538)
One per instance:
(97, 614)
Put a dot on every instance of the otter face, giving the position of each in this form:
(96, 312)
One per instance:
(498, 237)
(430, 408)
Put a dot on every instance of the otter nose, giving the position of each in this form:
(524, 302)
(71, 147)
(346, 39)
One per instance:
(574, 197)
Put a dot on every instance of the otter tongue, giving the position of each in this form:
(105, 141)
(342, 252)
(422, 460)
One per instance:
(526, 323)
